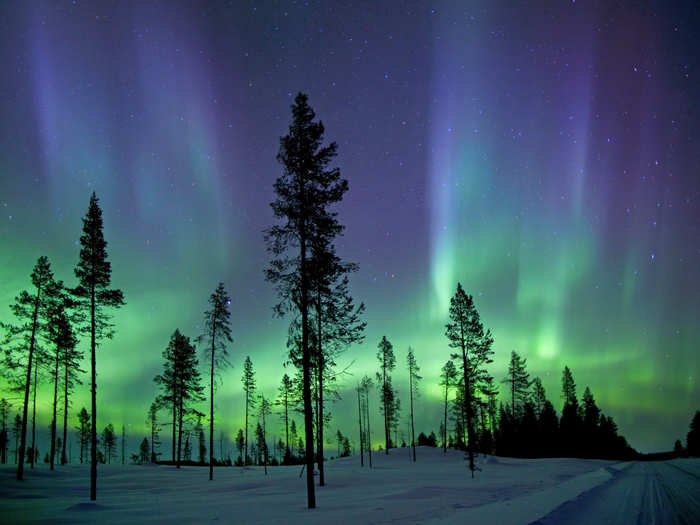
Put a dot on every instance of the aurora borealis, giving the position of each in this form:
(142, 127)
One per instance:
(545, 157)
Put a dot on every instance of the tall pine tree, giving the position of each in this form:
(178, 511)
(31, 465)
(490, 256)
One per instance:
(304, 193)
(248, 380)
(217, 333)
(413, 379)
(94, 277)
(518, 379)
(387, 363)
(465, 333)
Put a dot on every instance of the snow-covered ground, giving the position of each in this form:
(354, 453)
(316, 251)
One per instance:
(436, 489)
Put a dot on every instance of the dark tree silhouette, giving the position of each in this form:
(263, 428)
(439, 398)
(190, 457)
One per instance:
(248, 380)
(5, 406)
(387, 363)
(590, 427)
(518, 380)
(189, 389)
(285, 395)
(448, 379)
(265, 410)
(570, 424)
(59, 333)
(180, 382)
(465, 332)
(365, 386)
(143, 452)
(109, 442)
(240, 444)
(29, 309)
(152, 421)
(413, 379)
(167, 381)
(304, 192)
(362, 437)
(692, 443)
(217, 335)
(84, 433)
(93, 272)
(538, 395)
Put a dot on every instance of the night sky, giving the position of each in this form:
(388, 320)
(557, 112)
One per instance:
(546, 157)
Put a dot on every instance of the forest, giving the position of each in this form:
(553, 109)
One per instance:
(58, 327)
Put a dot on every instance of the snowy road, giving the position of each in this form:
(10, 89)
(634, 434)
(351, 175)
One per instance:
(639, 492)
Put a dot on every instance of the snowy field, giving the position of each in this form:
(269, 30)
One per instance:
(436, 489)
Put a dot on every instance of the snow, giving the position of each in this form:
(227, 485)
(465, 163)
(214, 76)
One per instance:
(436, 489)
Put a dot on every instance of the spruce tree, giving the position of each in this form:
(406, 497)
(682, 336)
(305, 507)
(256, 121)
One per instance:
(217, 335)
(538, 395)
(84, 433)
(265, 410)
(189, 390)
(109, 442)
(248, 380)
(448, 379)
(93, 272)
(152, 421)
(591, 419)
(465, 332)
(240, 444)
(304, 193)
(29, 309)
(143, 451)
(387, 363)
(570, 423)
(519, 380)
(413, 379)
(285, 393)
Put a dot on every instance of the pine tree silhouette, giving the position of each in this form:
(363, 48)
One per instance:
(304, 193)
(93, 272)
(29, 309)
(217, 334)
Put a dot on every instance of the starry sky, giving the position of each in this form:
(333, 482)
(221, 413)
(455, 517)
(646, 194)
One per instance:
(546, 157)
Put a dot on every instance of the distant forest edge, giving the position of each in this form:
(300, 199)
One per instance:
(312, 284)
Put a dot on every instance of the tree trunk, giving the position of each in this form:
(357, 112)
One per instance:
(369, 432)
(211, 408)
(33, 459)
(65, 417)
(444, 443)
(27, 386)
(93, 393)
(174, 418)
(306, 365)
(359, 411)
(413, 429)
(55, 403)
(467, 401)
(385, 396)
(179, 431)
(286, 424)
(247, 394)
(321, 475)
